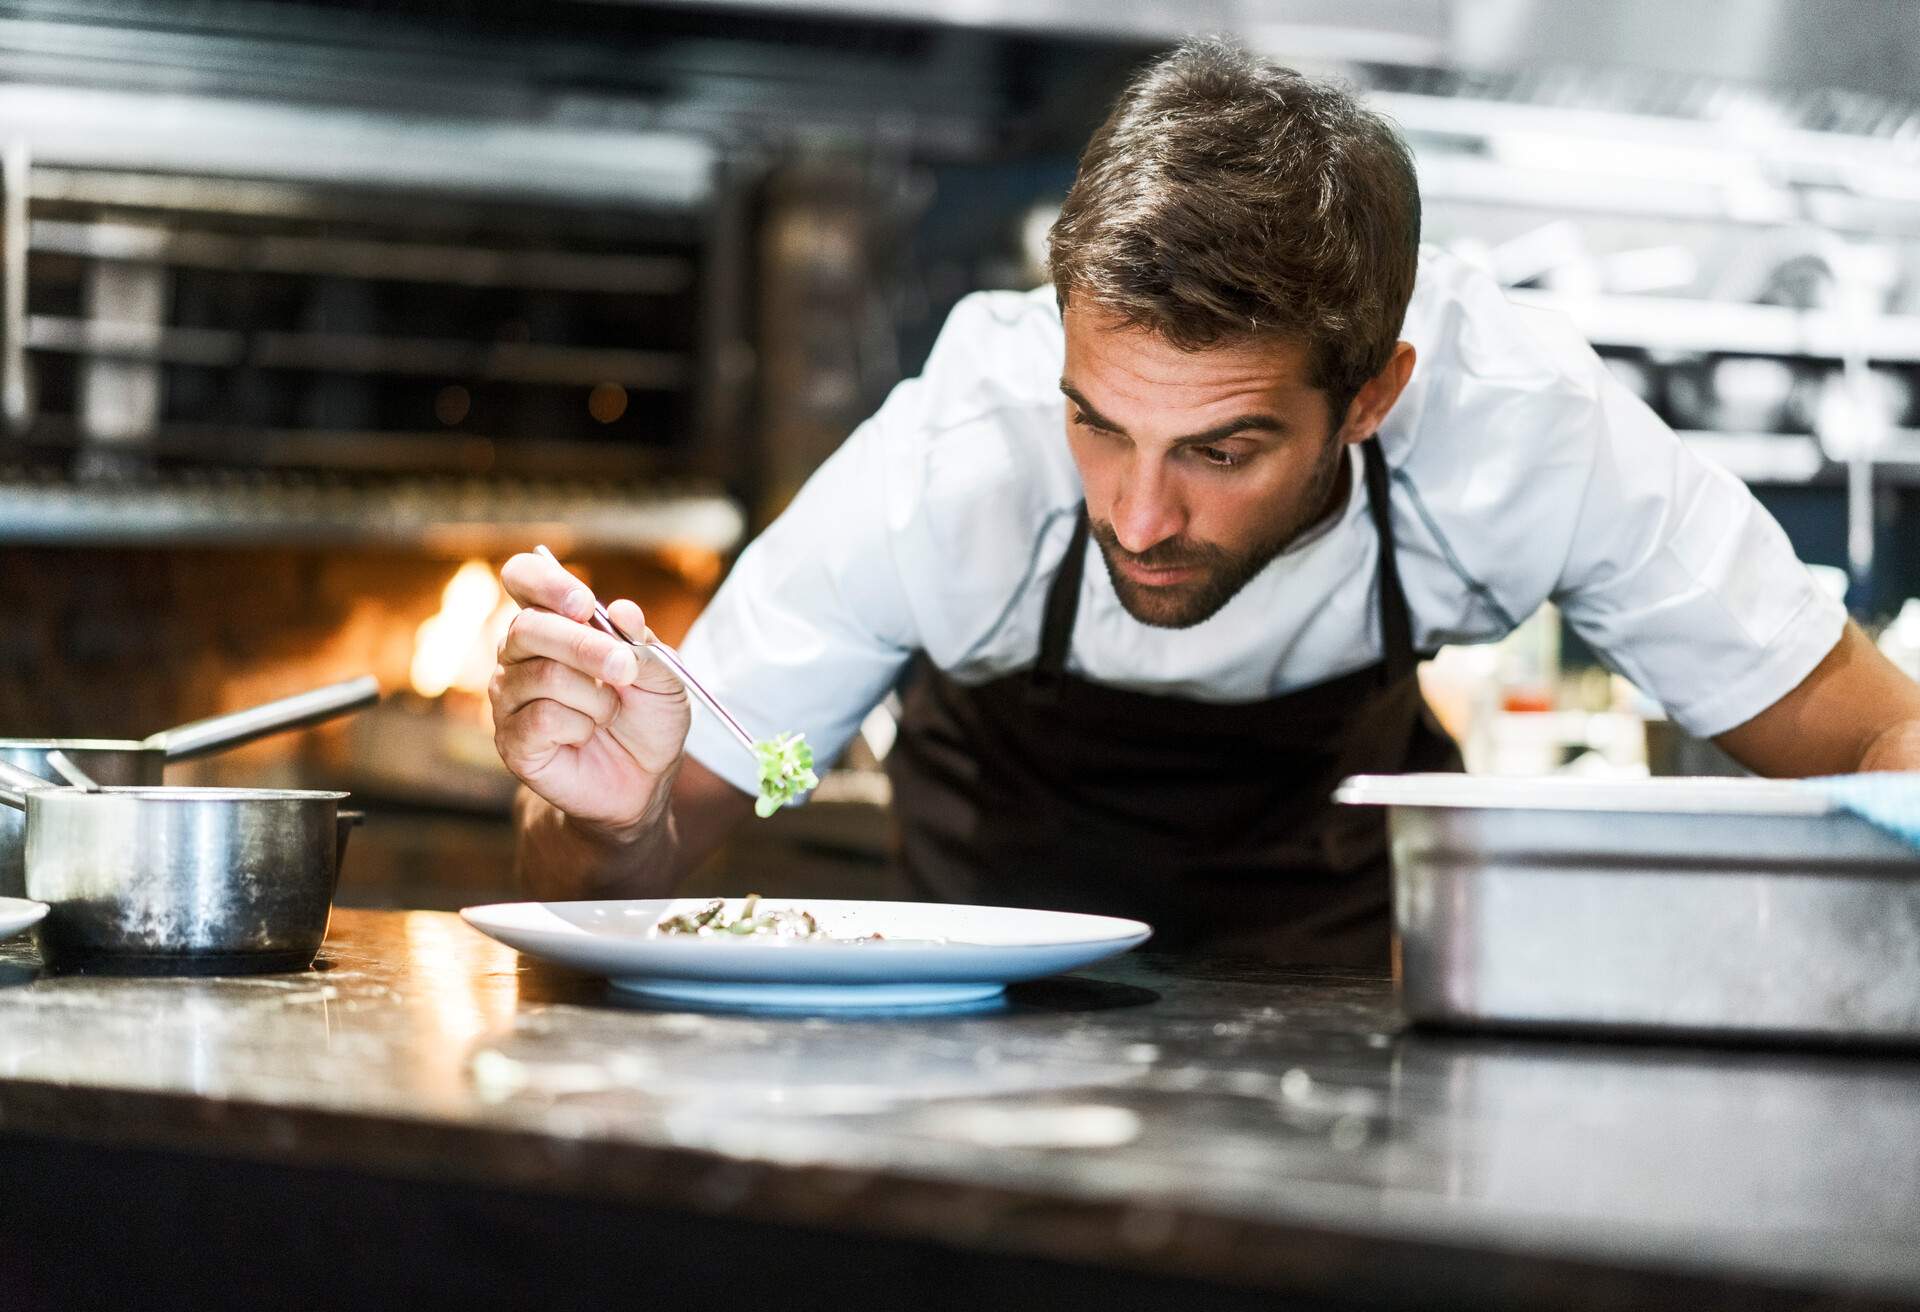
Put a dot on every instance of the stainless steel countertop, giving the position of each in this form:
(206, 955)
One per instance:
(1200, 1118)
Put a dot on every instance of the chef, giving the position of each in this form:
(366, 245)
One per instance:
(1151, 555)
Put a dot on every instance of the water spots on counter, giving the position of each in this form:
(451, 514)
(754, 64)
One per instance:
(686, 1022)
(322, 995)
(993, 1125)
(1181, 1078)
(167, 994)
(734, 1031)
(499, 1078)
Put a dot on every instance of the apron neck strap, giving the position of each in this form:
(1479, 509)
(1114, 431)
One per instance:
(1063, 606)
(1396, 624)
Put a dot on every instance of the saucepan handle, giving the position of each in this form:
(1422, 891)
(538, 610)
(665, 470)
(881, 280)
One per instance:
(345, 823)
(16, 783)
(236, 727)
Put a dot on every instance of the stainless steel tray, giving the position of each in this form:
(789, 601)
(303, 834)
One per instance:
(1713, 907)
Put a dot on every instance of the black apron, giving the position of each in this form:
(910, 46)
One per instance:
(1214, 822)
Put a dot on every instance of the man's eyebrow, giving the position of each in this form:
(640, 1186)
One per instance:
(1094, 417)
(1251, 423)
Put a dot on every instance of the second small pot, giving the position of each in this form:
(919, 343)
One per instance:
(143, 761)
(197, 881)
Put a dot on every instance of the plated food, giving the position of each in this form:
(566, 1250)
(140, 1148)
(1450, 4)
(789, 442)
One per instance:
(860, 955)
(750, 922)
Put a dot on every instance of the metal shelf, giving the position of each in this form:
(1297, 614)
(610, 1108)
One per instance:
(258, 139)
(336, 257)
(351, 353)
(1671, 323)
(1795, 458)
(454, 516)
(1760, 457)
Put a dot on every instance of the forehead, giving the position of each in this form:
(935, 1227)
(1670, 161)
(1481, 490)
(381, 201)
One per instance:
(1119, 359)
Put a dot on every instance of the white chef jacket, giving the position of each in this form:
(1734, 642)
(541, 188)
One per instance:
(1521, 472)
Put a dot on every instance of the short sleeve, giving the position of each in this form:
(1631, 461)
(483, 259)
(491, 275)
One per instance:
(1681, 580)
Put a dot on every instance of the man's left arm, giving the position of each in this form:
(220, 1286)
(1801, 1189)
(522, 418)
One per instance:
(1855, 711)
(1670, 568)
(1678, 575)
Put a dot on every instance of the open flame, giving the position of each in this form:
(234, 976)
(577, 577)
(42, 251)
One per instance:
(454, 648)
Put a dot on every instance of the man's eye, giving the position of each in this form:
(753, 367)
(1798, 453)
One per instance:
(1219, 459)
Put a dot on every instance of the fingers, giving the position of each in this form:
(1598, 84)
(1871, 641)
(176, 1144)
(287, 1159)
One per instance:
(528, 738)
(533, 580)
(515, 686)
(630, 619)
(541, 635)
(539, 585)
(654, 675)
(562, 683)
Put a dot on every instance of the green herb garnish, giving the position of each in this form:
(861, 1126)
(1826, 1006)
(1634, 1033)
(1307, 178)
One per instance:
(786, 771)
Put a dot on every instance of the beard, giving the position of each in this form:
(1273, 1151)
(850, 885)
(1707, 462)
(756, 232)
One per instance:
(1221, 573)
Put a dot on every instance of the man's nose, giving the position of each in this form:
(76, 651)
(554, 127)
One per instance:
(1146, 510)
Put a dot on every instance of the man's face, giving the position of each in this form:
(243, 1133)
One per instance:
(1200, 467)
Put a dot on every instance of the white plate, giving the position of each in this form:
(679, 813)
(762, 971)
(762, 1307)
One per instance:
(933, 954)
(19, 913)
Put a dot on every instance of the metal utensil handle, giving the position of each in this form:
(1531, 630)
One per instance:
(16, 387)
(219, 732)
(18, 783)
(671, 659)
(72, 773)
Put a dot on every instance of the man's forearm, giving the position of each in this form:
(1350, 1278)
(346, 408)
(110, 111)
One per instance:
(1855, 711)
(557, 859)
(1895, 748)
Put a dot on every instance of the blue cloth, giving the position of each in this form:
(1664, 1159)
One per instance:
(1890, 800)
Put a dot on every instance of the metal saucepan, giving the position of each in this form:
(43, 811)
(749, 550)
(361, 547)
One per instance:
(182, 881)
(145, 761)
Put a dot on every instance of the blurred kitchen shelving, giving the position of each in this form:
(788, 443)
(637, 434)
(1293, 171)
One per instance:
(1674, 323)
(443, 516)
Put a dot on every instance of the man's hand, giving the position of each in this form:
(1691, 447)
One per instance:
(584, 720)
(1856, 711)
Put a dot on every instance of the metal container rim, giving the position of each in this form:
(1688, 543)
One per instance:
(78, 744)
(1665, 795)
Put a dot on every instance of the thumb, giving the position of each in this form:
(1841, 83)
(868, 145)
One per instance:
(653, 674)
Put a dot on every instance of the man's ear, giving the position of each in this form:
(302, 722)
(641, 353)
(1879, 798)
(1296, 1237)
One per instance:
(1369, 407)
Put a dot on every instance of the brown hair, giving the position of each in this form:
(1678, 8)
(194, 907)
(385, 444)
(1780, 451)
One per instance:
(1227, 197)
